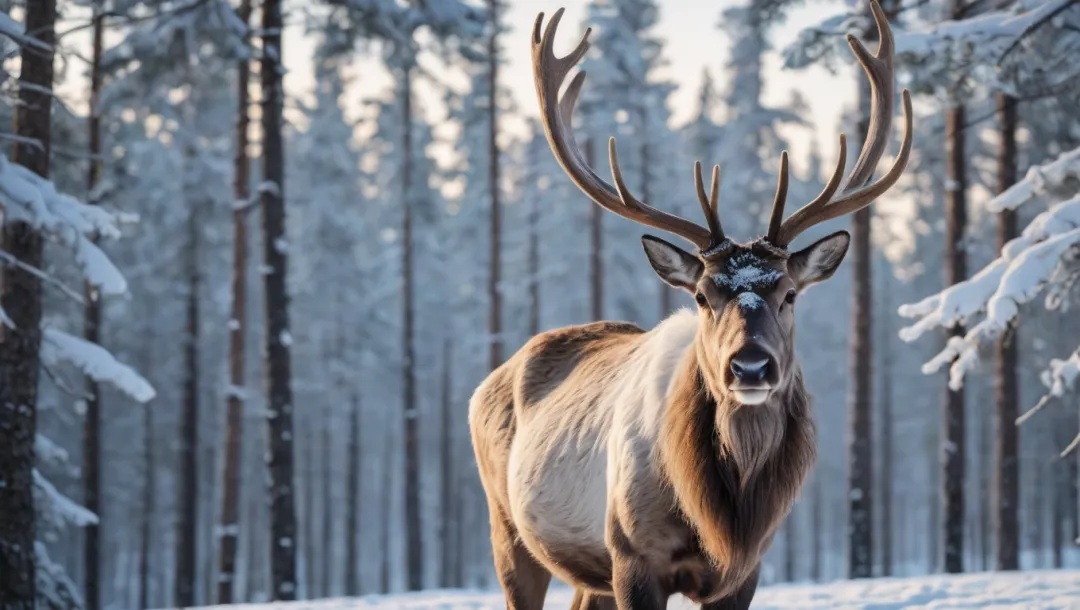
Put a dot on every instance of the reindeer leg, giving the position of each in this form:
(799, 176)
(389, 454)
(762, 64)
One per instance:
(587, 600)
(741, 599)
(524, 581)
(634, 584)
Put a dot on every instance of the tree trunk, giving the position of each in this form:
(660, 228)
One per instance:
(327, 525)
(187, 494)
(952, 450)
(20, 299)
(1006, 448)
(534, 265)
(278, 339)
(352, 501)
(596, 256)
(886, 438)
(384, 532)
(815, 531)
(235, 394)
(149, 508)
(447, 505)
(790, 535)
(494, 275)
(91, 466)
(860, 392)
(414, 548)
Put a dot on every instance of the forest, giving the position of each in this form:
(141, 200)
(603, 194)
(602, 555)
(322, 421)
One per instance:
(241, 321)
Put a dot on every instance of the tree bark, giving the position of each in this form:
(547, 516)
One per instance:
(148, 508)
(447, 505)
(384, 532)
(352, 502)
(495, 240)
(187, 493)
(886, 434)
(91, 466)
(327, 525)
(1006, 447)
(534, 265)
(20, 298)
(952, 451)
(596, 256)
(815, 531)
(414, 548)
(860, 392)
(277, 337)
(235, 395)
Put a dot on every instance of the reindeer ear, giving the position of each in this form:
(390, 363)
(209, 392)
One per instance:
(674, 265)
(818, 261)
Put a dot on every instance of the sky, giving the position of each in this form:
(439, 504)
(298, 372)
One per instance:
(692, 42)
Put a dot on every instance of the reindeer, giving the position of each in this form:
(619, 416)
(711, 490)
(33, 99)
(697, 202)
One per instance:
(636, 465)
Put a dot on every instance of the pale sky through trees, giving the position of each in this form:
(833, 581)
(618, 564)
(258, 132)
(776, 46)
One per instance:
(692, 41)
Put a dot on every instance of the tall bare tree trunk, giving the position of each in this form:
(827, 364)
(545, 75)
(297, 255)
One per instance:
(886, 437)
(235, 395)
(952, 449)
(790, 542)
(596, 256)
(534, 266)
(352, 500)
(1006, 447)
(149, 508)
(278, 339)
(386, 566)
(187, 492)
(448, 545)
(495, 240)
(91, 466)
(414, 545)
(327, 525)
(816, 527)
(860, 392)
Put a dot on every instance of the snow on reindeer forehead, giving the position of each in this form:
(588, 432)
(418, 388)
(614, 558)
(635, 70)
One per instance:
(737, 268)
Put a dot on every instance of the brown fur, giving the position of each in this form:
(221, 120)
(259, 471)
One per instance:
(736, 472)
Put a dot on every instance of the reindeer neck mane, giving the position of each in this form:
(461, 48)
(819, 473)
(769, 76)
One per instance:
(735, 470)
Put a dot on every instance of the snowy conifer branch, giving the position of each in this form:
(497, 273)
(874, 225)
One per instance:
(95, 361)
(1046, 256)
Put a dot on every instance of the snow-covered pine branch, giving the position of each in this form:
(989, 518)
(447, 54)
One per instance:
(95, 361)
(30, 198)
(1044, 258)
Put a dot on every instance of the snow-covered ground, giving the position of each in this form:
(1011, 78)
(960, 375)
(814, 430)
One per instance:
(1033, 590)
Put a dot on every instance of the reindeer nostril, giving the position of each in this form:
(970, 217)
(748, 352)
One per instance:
(749, 370)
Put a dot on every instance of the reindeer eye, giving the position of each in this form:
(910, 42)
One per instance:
(701, 300)
(789, 298)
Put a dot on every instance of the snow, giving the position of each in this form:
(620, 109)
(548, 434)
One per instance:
(750, 301)
(1041, 259)
(62, 507)
(95, 361)
(1031, 590)
(30, 198)
(747, 271)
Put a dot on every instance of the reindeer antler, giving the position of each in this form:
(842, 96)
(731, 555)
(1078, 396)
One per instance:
(856, 194)
(549, 73)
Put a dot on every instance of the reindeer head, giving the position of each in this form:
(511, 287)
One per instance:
(745, 292)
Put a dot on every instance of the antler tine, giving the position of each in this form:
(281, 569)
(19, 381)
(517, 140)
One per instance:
(710, 203)
(796, 223)
(549, 72)
(777, 216)
(856, 194)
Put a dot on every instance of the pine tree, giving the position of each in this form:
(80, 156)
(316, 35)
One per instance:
(20, 300)
(92, 429)
(230, 496)
(278, 338)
